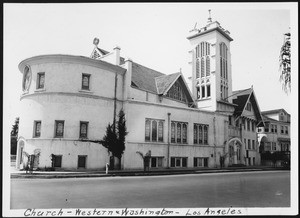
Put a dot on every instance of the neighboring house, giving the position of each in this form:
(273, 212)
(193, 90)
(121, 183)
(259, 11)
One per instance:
(275, 136)
(68, 98)
(243, 123)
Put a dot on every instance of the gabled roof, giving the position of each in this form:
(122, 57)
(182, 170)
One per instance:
(275, 111)
(265, 118)
(164, 82)
(153, 81)
(144, 77)
(241, 98)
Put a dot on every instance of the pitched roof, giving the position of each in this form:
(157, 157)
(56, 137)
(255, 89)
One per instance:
(102, 51)
(165, 81)
(241, 97)
(274, 111)
(143, 77)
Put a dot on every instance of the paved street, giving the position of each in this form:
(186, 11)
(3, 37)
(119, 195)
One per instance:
(246, 189)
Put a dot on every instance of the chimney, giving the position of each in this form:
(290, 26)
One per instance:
(117, 53)
(127, 79)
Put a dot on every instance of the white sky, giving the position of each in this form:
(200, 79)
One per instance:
(153, 35)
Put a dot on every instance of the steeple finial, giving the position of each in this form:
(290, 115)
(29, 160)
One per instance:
(96, 42)
(209, 18)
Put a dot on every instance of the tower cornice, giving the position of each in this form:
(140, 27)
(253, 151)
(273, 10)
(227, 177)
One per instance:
(218, 29)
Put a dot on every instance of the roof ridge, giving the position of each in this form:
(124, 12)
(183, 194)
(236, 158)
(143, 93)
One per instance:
(148, 68)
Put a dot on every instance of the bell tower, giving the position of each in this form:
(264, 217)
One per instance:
(211, 67)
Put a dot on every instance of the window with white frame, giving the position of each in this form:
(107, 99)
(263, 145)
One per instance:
(202, 65)
(179, 161)
(224, 71)
(40, 80)
(154, 130)
(59, 128)
(253, 144)
(83, 132)
(200, 161)
(286, 130)
(267, 126)
(37, 128)
(85, 85)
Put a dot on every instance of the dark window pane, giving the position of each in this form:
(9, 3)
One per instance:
(85, 81)
(147, 130)
(160, 131)
(153, 161)
(178, 162)
(206, 162)
(178, 133)
(57, 160)
(172, 162)
(184, 162)
(81, 161)
(59, 128)
(154, 131)
(173, 132)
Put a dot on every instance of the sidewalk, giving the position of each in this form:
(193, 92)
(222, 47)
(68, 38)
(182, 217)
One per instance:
(15, 174)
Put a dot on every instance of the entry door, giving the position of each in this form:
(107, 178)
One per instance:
(81, 161)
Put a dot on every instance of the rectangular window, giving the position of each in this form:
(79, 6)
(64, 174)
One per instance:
(253, 126)
(253, 144)
(230, 120)
(282, 129)
(59, 128)
(244, 124)
(274, 146)
(272, 128)
(85, 85)
(275, 128)
(37, 129)
(200, 161)
(267, 127)
(178, 132)
(57, 160)
(248, 125)
(203, 91)
(178, 161)
(82, 161)
(83, 129)
(221, 92)
(41, 80)
(245, 142)
(249, 144)
(208, 90)
(248, 106)
(195, 134)
(172, 132)
(198, 92)
(286, 130)
(205, 134)
(154, 130)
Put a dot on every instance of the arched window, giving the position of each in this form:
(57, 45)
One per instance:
(202, 67)
(205, 135)
(160, 131)
(154, 130)
(195, 134)
(200, 135)
(173, 132)
(207, 66)
(197, 69)
(147, 130)
(184, 133)
(178, 132)
(223, 60)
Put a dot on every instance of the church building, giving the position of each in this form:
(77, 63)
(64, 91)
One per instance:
(69, 98)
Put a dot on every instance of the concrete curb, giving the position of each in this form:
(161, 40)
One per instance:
(130, 174)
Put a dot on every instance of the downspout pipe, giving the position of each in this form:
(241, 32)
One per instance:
(215, 146)
(169, 132)
(115, 101)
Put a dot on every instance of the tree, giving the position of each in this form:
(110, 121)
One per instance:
(14, 137)
(114, 138)
(285, 63)
(146, 159)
